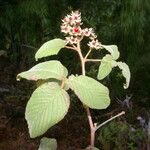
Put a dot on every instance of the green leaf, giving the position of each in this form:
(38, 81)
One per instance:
(40, 82)
(48, 144)
(46, 70)
(46, 107)
(58, 82)
(49, 48)
(113, 49)
(90, 92)
(105, 67)
(126, 73)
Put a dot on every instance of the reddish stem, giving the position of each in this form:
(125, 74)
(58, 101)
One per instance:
(92, 128)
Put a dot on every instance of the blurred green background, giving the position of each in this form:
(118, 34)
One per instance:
(26, 24)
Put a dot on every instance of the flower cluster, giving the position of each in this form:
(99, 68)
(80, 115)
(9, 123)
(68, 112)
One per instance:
(89, 32)
(71, 26)
(94, 44)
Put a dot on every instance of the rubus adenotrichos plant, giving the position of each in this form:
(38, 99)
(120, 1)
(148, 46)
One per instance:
(50, 102)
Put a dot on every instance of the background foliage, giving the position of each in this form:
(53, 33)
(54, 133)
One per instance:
(26, 24)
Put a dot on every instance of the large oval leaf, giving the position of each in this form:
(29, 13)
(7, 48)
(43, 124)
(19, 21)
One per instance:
(46, 70)
(46, 107)
(113, 49)
(90, 92)
(105, 67)
(49, 48)
(48, 144)
(126, 73)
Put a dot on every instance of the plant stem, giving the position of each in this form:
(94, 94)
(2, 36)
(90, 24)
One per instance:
(92, 128)
(93, 60)
(70, 47)
(62, 83)
(92, 139)
(81, 58)
(122, 113)
(88, 53)
(89, 117)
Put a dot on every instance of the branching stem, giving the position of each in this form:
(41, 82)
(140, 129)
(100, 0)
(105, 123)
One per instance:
(92, 129)
(70, 47)
(93, 60)
(93, 126)
(88, 53)
(102, 124)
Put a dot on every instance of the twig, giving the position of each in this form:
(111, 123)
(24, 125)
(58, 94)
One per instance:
(89, 117)
(81, 38)
(88, 53)
(73, 48)
(62, 83)
(93, 60)
(122, 113)
(92, 127)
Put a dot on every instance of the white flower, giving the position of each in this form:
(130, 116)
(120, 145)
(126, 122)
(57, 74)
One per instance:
(65, 29)
(89, 32)
(86, 32)
(65, 20)
(76, 18)
(73, 19)
(93, 36)
(74, 31)
(71, 40)
(71, 25)
(94, 44)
